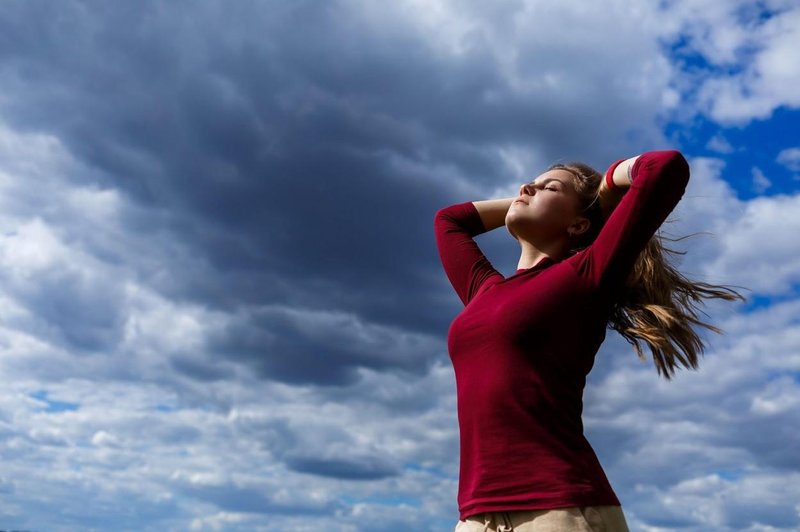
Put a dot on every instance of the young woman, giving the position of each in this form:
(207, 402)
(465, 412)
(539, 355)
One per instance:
(523, 345)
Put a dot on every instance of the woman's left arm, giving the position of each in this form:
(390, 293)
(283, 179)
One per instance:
(635, 210)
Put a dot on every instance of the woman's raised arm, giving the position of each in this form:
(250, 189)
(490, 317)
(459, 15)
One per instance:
(609, 198)
(659, 180)
(464, 263)
(493, 212)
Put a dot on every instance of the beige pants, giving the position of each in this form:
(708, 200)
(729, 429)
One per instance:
(575, 519)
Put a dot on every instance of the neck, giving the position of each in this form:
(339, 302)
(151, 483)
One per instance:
(531, 255)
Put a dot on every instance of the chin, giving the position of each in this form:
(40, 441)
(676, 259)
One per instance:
(517, 224)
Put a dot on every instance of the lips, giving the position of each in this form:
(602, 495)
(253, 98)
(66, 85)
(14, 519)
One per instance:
(520, 200)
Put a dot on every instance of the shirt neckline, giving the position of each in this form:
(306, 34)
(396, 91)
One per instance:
(545, 261)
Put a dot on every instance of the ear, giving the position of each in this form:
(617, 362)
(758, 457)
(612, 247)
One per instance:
(579, 226)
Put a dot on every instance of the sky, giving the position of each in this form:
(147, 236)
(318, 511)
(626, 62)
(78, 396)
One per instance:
(221, 303)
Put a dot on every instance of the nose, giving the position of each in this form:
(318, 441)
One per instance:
(526, 189)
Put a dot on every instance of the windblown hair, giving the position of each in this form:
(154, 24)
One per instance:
(658, 305)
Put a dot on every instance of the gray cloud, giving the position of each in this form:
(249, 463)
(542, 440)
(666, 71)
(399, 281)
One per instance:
(217, 243)
(275, 156)
(357, 469)
(275, 162)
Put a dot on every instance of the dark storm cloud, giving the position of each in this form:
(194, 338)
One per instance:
(319, 348)
(233, 498)
(82, 314)
(291, 444)
(356, 469)
(294, 152)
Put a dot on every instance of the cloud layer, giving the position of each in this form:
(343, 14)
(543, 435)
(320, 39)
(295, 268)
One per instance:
(221, 303)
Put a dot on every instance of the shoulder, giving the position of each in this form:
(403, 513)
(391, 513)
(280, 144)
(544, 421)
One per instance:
(581, 263)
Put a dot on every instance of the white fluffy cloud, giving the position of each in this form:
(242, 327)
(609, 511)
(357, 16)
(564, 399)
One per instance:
(790, 158)
(738, 235)
(758, 247)
(127, 405)
(719, 144)
(753, 68)
(760, 181)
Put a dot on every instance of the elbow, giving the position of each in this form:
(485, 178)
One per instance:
(671, 164)
(462, 217)
(677, 166)
(440, 217)
(444, 221)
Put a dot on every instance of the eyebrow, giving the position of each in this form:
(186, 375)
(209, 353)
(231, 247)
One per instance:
(545, 181)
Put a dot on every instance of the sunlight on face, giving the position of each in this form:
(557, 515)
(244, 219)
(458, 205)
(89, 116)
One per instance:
(546, 208)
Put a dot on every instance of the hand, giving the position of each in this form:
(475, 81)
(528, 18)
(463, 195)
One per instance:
(608, 198)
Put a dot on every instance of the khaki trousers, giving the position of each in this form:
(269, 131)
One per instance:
(574, 519)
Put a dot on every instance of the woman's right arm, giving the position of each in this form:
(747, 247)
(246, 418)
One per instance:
(493, 212)
(464, 263)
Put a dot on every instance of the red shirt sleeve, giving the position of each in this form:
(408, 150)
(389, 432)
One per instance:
(464, 263)
(659, 181)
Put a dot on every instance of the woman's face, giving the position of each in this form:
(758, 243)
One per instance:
(545, 207)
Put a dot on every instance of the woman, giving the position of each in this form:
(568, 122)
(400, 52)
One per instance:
(523, 345)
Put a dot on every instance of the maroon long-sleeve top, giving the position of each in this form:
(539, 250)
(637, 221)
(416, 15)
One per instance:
(522, 346)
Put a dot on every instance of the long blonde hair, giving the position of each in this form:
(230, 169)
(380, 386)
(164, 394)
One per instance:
(658, 305)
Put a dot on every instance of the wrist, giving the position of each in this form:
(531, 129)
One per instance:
(610, 179)
(623, 174)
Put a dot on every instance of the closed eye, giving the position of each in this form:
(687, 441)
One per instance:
(524, 188)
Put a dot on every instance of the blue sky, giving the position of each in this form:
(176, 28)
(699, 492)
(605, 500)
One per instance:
(221, 305)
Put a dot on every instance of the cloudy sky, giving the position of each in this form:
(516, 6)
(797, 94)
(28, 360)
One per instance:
(221, 304)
